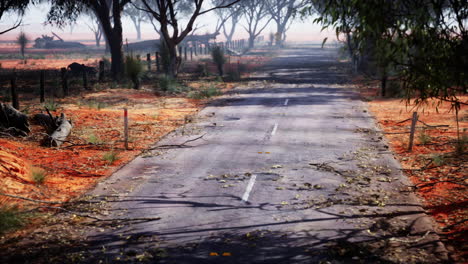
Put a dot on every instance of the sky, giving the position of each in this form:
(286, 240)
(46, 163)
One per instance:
(35, 16)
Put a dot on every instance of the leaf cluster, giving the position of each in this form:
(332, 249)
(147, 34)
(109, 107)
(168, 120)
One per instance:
(424, 42)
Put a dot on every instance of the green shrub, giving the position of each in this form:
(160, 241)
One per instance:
(51, 105)
(107, 63)
(110, 157)
(6, 95)
(461, 144)
(424, 138)
(38, 175)
(205, 92)
(95, 104)
(438, 160)
(93, 139)
(217, 54)
(233, 74)
(10, 218)
(134, 70)
(202, 70)
(168, 84)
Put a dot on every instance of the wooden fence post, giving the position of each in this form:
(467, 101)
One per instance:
(63, 73)
(148, 59)
(85, 80)
(14, 93)
(42, 86)
(126, 128)
(185, 53)
(158, 66)
(413, 129)
(191, 53)
(101, 71)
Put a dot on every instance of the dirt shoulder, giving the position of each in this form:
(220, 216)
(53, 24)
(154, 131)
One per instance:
(435, 166)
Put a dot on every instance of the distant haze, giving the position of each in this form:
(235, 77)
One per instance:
(35, 17)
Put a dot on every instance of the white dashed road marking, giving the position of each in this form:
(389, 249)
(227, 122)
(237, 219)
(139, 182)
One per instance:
(286, 102)
(250, 185)
(274, 129)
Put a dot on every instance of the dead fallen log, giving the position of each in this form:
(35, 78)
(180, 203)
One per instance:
(13, 121)
(59, 135)
(46, 121)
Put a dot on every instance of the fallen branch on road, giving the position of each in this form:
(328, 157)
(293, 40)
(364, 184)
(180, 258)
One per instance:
(183, 145)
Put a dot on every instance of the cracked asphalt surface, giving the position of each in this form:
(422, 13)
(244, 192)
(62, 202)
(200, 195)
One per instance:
(290, 169)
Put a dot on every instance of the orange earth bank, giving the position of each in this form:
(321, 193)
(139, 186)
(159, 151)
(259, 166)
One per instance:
(439, 174)
(77, 166)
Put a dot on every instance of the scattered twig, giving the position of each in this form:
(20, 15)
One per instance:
(410, 241)
(183, 145)
(404, 121)
(325, 167)
(455, 224)
(29, 199)
(423, 185)
(433, 126)
(101, 219)
(387, 133)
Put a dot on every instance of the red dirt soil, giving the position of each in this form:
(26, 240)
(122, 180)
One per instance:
(437, 172)
(78, 164)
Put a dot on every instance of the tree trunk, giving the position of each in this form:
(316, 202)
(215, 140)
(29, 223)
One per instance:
(173, 65)
(251, 41)
(384, 85)
(280, 32)
(116, 58)
(138, 30)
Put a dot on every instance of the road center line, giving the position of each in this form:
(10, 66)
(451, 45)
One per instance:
(250, 185)
(274, 129)
(286, 102)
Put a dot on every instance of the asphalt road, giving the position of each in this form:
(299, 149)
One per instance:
(291, 169)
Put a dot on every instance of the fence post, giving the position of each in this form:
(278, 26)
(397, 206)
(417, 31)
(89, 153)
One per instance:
(414, 120)
(191, 53)
(41, 86)
(195, 48)
(180, 52)
(101, 71)
(185, 53)
(85, 80)
(14, 93)
(148, 59)
(158, 67)
(126, 128)
(63, 73)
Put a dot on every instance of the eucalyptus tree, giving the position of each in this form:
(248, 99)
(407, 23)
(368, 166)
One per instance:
(172, 27)
(138, 16)
(95, 27)
(424, 42)
(283, 13)
(109, 14)
(256, 17)
(228, 19)
(12, 6)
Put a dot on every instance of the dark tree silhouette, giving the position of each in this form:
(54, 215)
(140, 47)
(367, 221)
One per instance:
(173, 33)
(109, 14)
(257, 19)
(15, 6)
